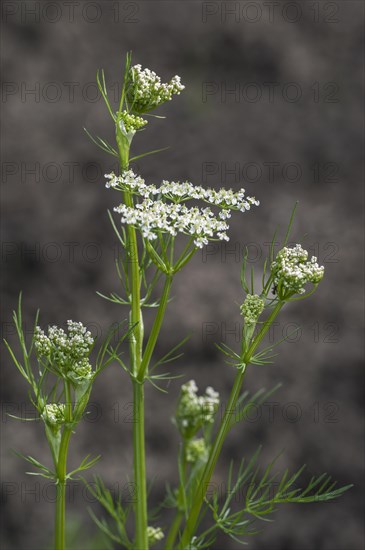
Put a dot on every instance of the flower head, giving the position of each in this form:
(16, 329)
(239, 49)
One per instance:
(292, 270)
(128, 181)
(196, 449)
(163, 208)
(54, 414)
(67, 351)
(252, 308)
(132, 123)
(154, 534)
(193, 411)
(146, 91)
(152, 217)
(81, 371)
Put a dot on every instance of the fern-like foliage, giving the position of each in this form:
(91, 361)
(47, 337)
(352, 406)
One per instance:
(115, 509)
(250, 498)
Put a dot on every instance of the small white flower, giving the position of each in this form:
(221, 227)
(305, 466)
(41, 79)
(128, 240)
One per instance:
(212, 393)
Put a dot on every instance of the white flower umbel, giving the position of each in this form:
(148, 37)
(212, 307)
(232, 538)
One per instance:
(194, 411)
(129, 181)
(177, 192)
(162, 209)
(292, 271)
(152, 217)
(146, 91)
(69, 351)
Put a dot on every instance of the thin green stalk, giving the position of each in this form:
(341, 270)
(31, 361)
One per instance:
(60, 515)
(61, 470)
(185, 256)
(141, 540)
(61, 490)
(174, 529)
(136, 314)
(155, 329)
(136, 343)
(213, 457)
(222, 433)
(180, 513)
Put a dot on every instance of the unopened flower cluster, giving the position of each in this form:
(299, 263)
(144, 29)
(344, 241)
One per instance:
(193, 411)
(196, 449)
(155, 214)
(54, 414)
(67, 351)
(146, 91)
(252, 308)
(132, 123)
(154, 534)
(292, 270)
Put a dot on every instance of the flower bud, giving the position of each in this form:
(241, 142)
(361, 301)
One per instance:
(252, 308)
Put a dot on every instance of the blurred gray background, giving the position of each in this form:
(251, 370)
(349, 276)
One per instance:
(272, 103)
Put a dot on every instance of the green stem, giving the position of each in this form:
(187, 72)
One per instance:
(133, 257)
(61, 471)
(136, 314)
(181, 502)
(60, 516)
(174, 529)
(61, 490)
(222, 433)
(136, 343)
(185, 256)
(141, 540)
(155, 329)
